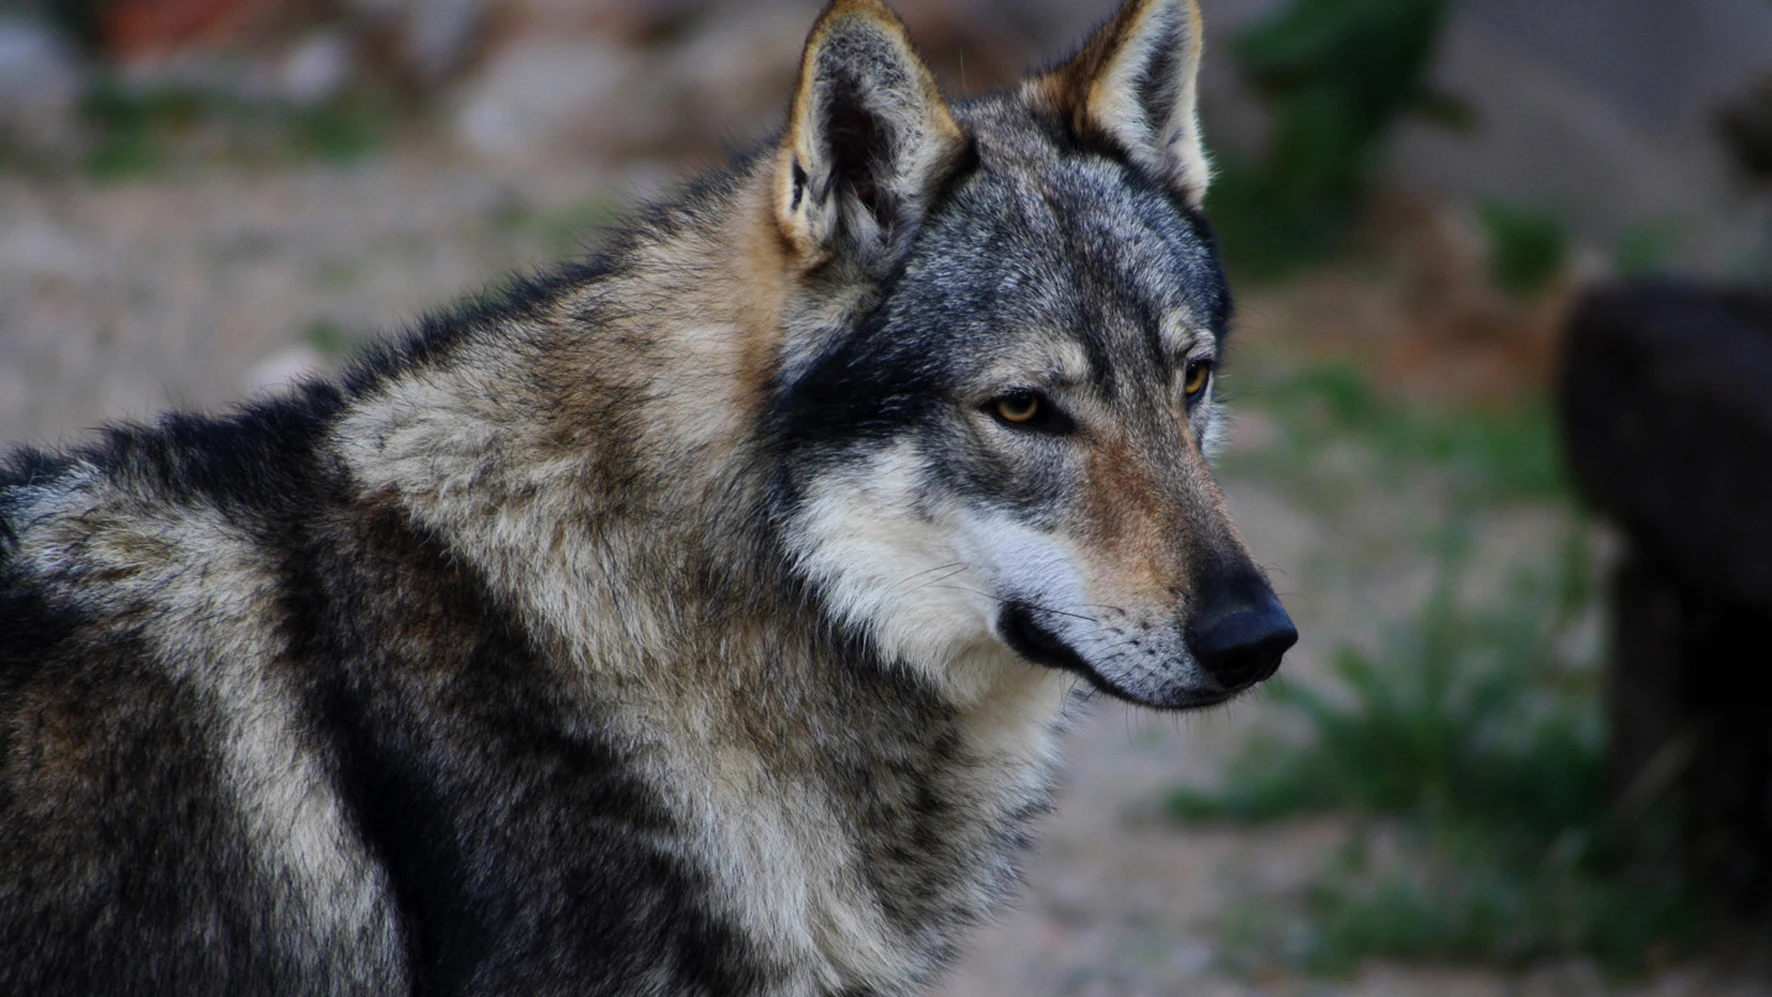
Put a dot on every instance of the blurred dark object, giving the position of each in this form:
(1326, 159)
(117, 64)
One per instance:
(1667, 394)
(1746, 124)
(79, 19)
(1666, 402)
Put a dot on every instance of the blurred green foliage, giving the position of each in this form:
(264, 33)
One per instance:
(574, 227)
(1464, 713)
(1646, 249)
(1472, 747)
(1528, 249)
(1468, 748)
(140, 131)
(330, 339)
(1508, 452)
(1335, 75)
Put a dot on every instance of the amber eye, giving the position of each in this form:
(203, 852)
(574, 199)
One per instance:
(1021, 408)
(1199, 374)
(1031, 411)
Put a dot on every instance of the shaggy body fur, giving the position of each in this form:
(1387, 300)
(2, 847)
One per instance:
(655, 629)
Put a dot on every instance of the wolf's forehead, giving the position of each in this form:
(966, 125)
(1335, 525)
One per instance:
(1105, 254)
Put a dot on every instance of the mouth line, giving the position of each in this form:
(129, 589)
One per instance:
(1026, 637)
(1194, 701)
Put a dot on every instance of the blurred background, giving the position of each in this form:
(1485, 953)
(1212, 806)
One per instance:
(1503, 416)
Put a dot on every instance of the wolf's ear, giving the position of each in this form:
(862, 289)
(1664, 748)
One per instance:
(1135, 84)
(869, 141)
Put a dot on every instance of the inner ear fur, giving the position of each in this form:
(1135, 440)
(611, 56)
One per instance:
(1135, 85)
(870, 140)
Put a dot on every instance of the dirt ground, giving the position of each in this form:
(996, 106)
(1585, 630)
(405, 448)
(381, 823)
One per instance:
(117, 301)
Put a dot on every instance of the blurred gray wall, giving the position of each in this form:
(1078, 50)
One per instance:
(1599, 110)
(1603, 110)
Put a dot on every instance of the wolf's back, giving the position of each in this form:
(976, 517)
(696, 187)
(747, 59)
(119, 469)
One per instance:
(260, 734)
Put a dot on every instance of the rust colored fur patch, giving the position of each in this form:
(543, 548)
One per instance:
(1133, 519)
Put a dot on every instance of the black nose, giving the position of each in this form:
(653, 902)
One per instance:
(1240, 642)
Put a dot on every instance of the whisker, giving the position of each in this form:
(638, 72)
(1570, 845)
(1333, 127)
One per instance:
(1031, 605)
(927, 571)
(958, 569)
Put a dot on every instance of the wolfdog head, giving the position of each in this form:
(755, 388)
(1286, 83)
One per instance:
(1004, 332)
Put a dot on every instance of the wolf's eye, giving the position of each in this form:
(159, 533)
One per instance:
(1021, 408)
(1030, 410)
(1199, 374)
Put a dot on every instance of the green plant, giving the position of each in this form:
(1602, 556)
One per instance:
(329, 339)
(1501, 453)
(1476, 745)
(139, 131)
(1527, 249)
(131, 129)
(1455, 716)
(1335, 75)
(1461, 893)
(1646, 248)
(561, 230)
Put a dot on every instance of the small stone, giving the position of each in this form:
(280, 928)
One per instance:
(282, 371)
(432, 40)
(317, 69)
(538, 96)
(439, 37)
(40, 84)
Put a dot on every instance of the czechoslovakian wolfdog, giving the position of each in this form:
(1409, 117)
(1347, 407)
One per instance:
(697, 619)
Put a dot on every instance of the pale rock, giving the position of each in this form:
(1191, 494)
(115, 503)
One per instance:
(40, 84)
(282, 371)
(433, 39)
(318, 68)
(539, 96)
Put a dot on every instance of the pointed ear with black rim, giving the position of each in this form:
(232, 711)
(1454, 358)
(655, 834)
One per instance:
(870, 141)
(1136, 85)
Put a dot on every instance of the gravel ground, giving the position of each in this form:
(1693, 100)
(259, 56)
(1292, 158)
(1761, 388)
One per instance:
(118, 301)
